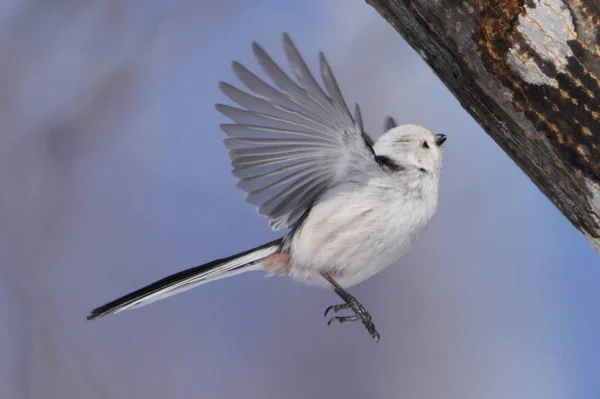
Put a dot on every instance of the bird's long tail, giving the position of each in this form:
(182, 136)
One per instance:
(187, 279)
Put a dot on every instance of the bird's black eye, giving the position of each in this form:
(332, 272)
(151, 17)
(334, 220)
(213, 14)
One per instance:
(425, 144)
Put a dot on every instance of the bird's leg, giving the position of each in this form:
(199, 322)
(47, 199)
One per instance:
(360, 313)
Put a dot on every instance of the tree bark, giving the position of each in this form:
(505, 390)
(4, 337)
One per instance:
(528, 71)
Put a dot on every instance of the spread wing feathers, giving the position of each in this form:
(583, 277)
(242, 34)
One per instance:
(290, 142)
(359, 123)
(390, 123)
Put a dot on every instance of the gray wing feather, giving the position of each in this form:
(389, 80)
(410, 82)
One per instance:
(390, 123)
(293, 140)
(359, 122)
(302, 73)
(333, 88)
(358, 118)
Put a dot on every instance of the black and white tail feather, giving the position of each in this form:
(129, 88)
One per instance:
(188, 279)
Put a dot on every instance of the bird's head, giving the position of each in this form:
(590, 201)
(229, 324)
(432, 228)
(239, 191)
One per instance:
(412, 145)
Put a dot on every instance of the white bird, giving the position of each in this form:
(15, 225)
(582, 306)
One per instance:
(352, 206)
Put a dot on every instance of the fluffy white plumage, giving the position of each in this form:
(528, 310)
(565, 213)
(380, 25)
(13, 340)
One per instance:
(353, 206)
(363, 225)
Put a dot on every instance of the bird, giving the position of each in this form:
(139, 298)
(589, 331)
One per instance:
(350, 206)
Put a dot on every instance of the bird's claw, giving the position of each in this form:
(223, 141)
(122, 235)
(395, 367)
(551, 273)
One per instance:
(335, 308)
(342, 319)
(360, 313)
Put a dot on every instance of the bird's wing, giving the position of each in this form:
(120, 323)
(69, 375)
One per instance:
(359, 124)
(289, 144)
(390, 123)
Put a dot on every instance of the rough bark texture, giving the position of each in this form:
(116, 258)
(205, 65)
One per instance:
(528, 71)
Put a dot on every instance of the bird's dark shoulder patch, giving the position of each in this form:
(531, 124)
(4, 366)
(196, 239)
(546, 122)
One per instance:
(388, 163)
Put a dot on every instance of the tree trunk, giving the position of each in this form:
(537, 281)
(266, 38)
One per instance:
(528, 71)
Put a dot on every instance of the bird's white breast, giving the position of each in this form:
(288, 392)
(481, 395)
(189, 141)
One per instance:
(357, 230)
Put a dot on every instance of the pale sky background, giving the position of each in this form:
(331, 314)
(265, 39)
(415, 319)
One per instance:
(113, 174)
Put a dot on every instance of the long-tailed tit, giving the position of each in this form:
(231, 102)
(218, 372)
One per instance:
(353, 206)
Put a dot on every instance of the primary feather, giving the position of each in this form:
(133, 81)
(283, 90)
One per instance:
(292, 141)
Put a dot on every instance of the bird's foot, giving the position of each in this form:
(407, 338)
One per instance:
(360, 313)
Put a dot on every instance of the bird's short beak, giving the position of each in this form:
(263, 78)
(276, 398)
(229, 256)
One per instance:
(439, 139)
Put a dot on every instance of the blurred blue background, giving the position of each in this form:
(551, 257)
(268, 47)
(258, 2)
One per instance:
(113, 174)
